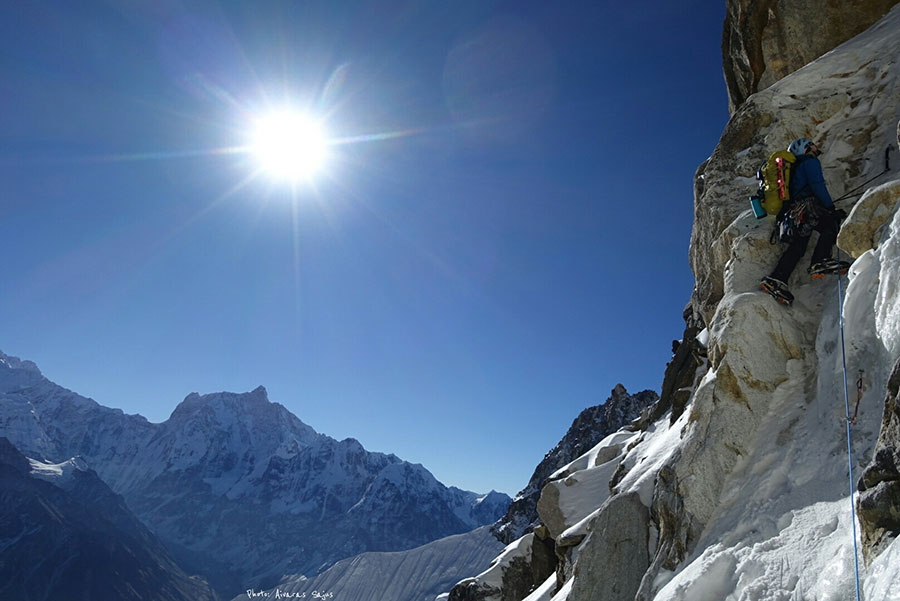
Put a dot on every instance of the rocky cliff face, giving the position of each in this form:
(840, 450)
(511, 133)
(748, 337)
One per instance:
(237, 487)
(847, 101)
(766, 40)
(774, 382)
(65, 534)
(743, 492)
(879, 500)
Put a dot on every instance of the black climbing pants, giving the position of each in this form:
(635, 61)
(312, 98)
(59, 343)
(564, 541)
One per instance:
(827, 227)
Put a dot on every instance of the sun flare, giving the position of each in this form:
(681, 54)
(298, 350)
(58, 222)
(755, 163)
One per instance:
(290, 145)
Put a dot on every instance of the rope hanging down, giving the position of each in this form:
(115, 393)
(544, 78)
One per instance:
(887, 168)
(849, 421)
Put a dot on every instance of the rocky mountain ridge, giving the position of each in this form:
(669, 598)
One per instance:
(237, 487)
(590, 427)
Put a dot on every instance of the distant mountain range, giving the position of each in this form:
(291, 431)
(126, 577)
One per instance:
(239, 489)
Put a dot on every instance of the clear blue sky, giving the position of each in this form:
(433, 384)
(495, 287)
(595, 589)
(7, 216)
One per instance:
(454, 292)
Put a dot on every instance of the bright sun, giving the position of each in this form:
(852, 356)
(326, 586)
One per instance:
(290, 145)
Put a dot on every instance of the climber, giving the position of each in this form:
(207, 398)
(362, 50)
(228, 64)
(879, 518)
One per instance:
(809, 209)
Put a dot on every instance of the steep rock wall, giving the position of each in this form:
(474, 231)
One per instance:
(771, 367)
(766, 40)
(848, 101)
(879, 501)
(774, 384)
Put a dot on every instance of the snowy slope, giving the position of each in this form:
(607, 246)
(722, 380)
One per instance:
(239, 488)
(415, 575)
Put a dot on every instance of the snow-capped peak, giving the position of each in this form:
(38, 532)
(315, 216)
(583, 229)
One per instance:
(18, 364)
(16, 374)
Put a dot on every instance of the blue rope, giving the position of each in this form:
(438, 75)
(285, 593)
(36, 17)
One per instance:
(849, 448)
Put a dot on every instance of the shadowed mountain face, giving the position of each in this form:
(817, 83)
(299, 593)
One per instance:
(65, 535)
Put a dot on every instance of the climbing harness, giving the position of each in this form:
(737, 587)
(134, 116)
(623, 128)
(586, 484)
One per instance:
(849, 422)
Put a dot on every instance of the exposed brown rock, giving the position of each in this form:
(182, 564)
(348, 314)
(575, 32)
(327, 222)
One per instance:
(765, 40)
(879, 499)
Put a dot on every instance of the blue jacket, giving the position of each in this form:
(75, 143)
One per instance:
(807, 179)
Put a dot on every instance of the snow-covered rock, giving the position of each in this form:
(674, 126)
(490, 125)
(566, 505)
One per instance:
(588, 429)
(510, 576)
(757, 493)
(877, 284)
(574, 491)
(859, 232)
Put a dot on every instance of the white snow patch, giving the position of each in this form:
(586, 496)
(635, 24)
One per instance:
(883, 580)
(811, 558)
(606, 449)
(563, 593)
(543, 592)
(582, 493)
(887, 300)
(493, 576)
(645, 460)
(703, 338)
(57, 473)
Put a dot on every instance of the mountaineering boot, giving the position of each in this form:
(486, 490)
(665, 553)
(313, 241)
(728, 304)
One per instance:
(826, 266)
(777, 289)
